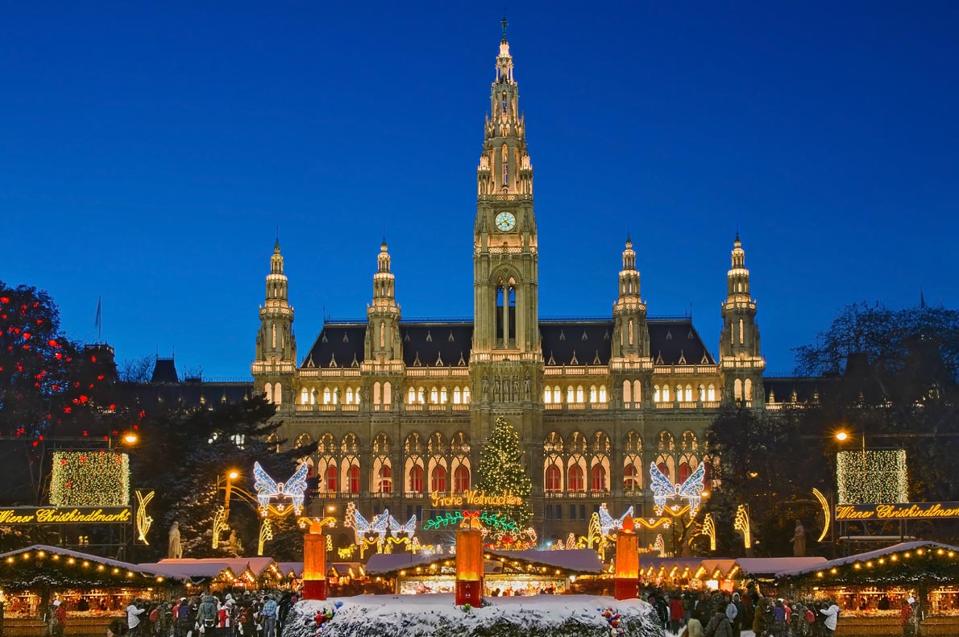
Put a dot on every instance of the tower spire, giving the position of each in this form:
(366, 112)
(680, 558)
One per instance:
(275, 358)
(503, 23)
(740, 357)
(383, 314)
(630, 334)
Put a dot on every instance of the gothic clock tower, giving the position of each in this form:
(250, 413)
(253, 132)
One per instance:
(506, 357)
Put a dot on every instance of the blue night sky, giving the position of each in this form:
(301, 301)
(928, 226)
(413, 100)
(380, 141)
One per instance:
(148, 151)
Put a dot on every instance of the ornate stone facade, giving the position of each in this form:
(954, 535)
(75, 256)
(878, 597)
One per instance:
(400, 408)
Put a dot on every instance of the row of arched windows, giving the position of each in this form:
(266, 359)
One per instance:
(666, 394)
(273, 393)
(595, 394)
(578, 465)
(330, 396)
(743, 389)
(438, 395)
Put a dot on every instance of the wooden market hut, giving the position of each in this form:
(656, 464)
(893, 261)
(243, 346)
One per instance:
(507, 573)
(96, 589)
(221, 573)
(869, 587)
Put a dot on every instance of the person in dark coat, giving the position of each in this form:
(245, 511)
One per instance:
(719, 625)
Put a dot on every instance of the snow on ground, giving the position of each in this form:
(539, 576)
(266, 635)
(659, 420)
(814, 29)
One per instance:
(745, 633)
(436, 616)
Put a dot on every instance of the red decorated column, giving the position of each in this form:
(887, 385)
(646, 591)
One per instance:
(469, 567)
(314, 563)
(626, 582)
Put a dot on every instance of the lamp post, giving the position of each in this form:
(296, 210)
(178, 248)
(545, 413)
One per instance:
(231, 475)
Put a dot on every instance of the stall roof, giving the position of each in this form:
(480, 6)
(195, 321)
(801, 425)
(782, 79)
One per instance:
(296, 568)
(863, 557)
(383, 563)
(774, 565)
(146, 570)
(195, 570)
(578, 560)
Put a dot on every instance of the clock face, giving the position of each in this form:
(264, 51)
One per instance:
(505, 221)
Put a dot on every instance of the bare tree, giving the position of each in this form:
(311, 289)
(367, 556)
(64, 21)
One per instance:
(137, 370)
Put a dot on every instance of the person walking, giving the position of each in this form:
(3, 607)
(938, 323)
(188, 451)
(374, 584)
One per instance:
(694, 628)
(268, 612)
(719, 625)
(734, 613)
(676, 612)
(133, 618)
(905, 618)
(831, 618)
(58, 618)
(206, 615)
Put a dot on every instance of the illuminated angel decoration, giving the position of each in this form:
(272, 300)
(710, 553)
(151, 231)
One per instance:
(379, 526)
(690, 490)
(268, 489)
(396, 528)
(607, 523)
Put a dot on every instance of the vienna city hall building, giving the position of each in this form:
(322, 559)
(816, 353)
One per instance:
(400, 409)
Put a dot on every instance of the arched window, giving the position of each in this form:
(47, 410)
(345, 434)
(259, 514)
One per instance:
(679, 393)
(557, 394)
(711, 392)
(330, 480)
(570, 394)
(602, 393)
(387, 394)
(688, 394)
(438, 479)
(738, 389)
(354, 479)
(631, 480)
(336, 395)
(657, 394)
(466, 395)
(580, 397)
(741, 332)
(748, 390)
(593, 394)
(416, 479)
(627, 393)
(702, 393)
(461, 479)
(376, 393)
(304, 396)
(554, 479)
(277, 394)
(637, 391)
(411, 396)
(457, 396)
(665, 393)
(598, 478)
(385, 479)
(313, 396)
(547, 395)
(356, 396)
(434, 396)
(268, 392)
(444, 396)
(575, 479)
(684, 471)
(349, 395)
(421, 395)
(327, 396)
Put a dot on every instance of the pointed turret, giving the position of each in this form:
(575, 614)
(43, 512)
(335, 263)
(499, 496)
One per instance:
(630, 335)
(275, 343)
(383, 342)
(740, 358)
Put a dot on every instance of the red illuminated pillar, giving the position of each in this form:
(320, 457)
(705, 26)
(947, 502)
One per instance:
(626, 582)
(469, 567)
(314, 563)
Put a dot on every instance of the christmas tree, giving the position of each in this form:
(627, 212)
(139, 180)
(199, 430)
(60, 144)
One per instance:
(501, 471)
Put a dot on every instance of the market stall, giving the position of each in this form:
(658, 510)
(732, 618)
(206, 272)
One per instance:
(507, 573)
(870, 587)
(94, 589)
(221, 573)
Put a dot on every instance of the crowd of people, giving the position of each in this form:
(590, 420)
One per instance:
(723, 614)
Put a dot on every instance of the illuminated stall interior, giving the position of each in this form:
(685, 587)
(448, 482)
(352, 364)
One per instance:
(725, 574)
(91, 586)
(870, 587)
(506, 573)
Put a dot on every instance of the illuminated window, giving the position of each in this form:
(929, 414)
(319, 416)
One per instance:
(602, 393)
(421, 395)
(461, 479)
(336, 395)
(385, 479)
(466, 395)
(304, 396)
(349, 395)
(376, 393)
(665, 393)
(637, 391)
(554, 479)
(457, 396)
(387, 393)
(630, 331)
(711, 392)
(570, 394)
(434, 396)
(575, 479)
(738, 389)
(598, 478)
(627, 393)
(748, 389)
(438, 479)
(356, 396)
(688, 393)
(657, 395)
(354, 479)
(277, 394)
(411, 396)
(702, 393)
(741, 331)
(444, 397)
(416, 479)
(593, 395)
(330, 478)
(631, 478)
(684, 471)
(580, 396)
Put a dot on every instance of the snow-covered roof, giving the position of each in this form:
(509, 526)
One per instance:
(290, 567)
(382, 563)
(577, 560)
(863, 557)
(143, 569)
(195, 570)
(773, 565)
(238, 565)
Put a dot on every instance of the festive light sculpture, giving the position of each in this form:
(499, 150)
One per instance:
(144, 521)
(741, 524)
(709, 530)
(826, 513)
(314, 563)
(626, 584)
(268, 489)
(608, 524)
(266, 534)
(469, 563)
(690, 490)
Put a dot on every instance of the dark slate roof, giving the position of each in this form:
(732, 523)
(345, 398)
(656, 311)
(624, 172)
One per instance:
(164, 371)
(186, 394)
(576, 342)
(673, 341)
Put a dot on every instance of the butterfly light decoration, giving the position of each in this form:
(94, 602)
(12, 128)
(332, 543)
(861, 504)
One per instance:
(607, 523)
(690, 490)
(268, 489)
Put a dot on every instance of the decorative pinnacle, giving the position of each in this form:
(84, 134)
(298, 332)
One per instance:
(504, 23)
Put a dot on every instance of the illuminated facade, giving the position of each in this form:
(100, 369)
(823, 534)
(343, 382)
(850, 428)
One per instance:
(400, 408)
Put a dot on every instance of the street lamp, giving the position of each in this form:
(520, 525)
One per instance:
(842, 436)
(233, 474)
(130, 438)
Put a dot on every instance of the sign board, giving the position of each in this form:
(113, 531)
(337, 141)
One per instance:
(901, 511)
(64, 515)
(474, 499)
